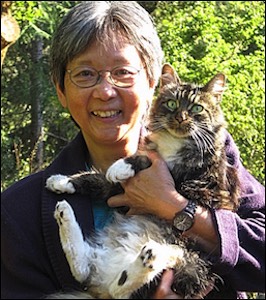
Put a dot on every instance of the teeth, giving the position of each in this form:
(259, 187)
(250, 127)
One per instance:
(106, 114)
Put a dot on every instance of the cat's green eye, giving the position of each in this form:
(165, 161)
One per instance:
(197, 108)
(172, 104)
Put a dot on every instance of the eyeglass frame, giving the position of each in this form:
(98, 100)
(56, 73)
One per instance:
(100, 76)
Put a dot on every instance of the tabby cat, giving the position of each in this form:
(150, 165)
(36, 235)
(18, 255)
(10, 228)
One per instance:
(187, 127)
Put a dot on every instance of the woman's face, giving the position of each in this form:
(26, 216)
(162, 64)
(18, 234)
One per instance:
(106, 113)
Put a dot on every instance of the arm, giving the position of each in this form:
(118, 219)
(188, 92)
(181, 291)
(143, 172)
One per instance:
(33, 264)
(164, 290)
(152, 191)
(22, 272)
(242, 238)
(25, 267)
(236, 239)
(242, 234)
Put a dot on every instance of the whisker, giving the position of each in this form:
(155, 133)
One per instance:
(198, 143)
(205, 139)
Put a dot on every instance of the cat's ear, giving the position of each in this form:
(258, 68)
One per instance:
(216, 86)
(169, 75)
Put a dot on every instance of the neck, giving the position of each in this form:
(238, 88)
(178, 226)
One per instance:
(104, 155)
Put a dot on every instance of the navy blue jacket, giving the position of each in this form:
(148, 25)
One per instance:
(33, 263)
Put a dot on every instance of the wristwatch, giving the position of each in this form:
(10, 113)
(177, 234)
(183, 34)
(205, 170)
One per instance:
(184, 219)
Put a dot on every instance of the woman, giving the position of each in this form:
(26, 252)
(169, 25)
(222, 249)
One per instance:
(106, 61)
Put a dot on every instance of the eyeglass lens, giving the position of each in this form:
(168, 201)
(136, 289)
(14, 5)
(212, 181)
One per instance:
(122, 76)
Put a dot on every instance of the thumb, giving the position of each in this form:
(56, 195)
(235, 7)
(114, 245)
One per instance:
(164, 290)
(153, 156)
(156, 159)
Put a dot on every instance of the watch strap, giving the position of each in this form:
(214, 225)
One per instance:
(190, 210)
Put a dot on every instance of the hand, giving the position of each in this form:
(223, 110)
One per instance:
(151, 191)
(164, 290)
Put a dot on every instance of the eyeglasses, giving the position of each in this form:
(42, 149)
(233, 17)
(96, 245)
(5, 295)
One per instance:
(122, 76)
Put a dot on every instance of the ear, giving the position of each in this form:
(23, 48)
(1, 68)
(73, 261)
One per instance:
(216, 86)
(61, 96)
(169, 75)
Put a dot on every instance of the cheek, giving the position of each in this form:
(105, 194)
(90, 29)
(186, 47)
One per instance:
(136, 105)
(143, 97)
(77, 106)
(75, 97)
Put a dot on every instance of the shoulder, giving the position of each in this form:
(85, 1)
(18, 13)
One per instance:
(232, 151)
(71, 159)
(26, 187)
(26, 195)
(21, 202)
(252, 191)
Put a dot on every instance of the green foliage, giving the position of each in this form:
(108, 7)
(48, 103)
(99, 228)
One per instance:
(37, 19)
(199, 38)
(202, 38)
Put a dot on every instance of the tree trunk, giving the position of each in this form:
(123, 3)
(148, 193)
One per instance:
(36, 105)
(10, 30)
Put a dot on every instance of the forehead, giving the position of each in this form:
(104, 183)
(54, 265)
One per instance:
(108, 54)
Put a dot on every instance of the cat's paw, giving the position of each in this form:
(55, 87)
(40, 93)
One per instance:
(119, 171)
(157, 257)
(148, 257)
(63, 213)
(151, 254)
(60, 184)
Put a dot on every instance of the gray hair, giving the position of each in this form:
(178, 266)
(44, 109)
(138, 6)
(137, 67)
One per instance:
(92, 21)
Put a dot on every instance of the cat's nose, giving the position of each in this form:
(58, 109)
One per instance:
(181, 117)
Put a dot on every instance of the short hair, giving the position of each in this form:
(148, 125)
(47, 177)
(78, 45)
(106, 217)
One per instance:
(92, 21)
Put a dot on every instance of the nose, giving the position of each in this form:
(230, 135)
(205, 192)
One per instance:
(181, 116)
(104, 90)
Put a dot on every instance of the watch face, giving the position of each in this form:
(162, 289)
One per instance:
(183, 221)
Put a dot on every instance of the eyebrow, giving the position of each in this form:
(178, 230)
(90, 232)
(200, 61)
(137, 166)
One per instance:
(89, 62)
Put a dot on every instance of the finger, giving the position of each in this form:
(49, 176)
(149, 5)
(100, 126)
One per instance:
(164, 290)
(116, 201)
(167, 279)
(153, 155)
(157, 160)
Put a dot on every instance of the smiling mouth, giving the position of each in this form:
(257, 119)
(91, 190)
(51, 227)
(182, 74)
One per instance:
(106, 114)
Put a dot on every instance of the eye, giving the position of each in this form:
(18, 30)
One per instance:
(172, 104)
(88, 73)
(83, 73)
(196, 108)
(83, 76)
(124, 72)
(121, 72)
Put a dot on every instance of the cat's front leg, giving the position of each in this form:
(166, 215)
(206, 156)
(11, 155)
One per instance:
(119, 171)
(77, 251)
(60, 184)
(125, 168)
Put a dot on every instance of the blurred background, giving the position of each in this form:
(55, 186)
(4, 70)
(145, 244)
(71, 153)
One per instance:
(199, 38)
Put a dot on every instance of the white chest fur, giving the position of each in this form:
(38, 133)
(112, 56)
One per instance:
(167, 145)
